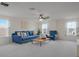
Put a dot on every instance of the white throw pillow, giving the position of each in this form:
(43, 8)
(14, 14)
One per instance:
(25, 34)
(18, 33)
(22, 35)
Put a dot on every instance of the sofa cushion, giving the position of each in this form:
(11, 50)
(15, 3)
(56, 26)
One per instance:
(27, 33)
(22, 35)
(30, 33)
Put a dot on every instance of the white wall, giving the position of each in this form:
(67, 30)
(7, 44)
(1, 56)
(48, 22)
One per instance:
(52, 25)
(23, 24)
(5, 40)
(62, 30)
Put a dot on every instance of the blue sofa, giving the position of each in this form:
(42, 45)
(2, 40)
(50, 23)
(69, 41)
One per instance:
(23, 36)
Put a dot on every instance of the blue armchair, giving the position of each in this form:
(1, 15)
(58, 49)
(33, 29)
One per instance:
(53, 35)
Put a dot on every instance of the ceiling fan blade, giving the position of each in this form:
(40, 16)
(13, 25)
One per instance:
(46, 17)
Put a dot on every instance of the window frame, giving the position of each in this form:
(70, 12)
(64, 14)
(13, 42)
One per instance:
(4, 24)
(44, 28)
(71, 28)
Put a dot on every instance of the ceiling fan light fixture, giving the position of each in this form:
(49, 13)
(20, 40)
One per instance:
(32, 8)
(41, 19)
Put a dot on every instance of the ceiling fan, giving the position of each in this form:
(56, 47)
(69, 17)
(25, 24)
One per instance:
(42, 17)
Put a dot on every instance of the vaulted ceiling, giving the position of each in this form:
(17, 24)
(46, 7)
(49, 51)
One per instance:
(56, 10)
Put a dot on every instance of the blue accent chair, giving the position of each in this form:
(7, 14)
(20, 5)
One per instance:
(53, 35)
(23, 39)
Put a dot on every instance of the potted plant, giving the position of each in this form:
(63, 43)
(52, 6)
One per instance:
(38, 32)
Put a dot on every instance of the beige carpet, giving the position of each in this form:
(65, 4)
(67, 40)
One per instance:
(48, 49)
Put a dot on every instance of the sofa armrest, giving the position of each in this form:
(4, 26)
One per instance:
(17, 38)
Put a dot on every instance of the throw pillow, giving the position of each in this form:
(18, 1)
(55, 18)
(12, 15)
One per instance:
(22, 35)
(18, 33)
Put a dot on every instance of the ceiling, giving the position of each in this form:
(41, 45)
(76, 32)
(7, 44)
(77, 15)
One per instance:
(56, 10)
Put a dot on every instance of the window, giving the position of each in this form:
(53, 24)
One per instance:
(71, 28)
(44, 28)
(4, 27)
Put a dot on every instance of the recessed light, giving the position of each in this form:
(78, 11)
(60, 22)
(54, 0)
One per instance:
(32, 8)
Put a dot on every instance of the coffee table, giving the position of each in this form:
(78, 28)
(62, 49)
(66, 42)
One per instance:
(40, 41)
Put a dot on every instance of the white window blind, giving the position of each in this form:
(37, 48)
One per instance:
(71, 28)
(44, 28)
